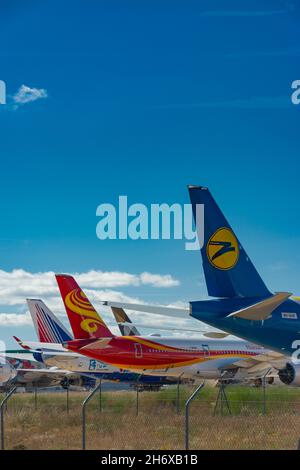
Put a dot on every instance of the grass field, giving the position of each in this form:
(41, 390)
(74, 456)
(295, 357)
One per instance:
(157, 425)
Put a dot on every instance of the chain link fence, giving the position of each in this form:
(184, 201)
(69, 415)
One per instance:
(130, 420)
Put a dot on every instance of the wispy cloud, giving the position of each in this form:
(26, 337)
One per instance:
(26, 94)
(279, 266)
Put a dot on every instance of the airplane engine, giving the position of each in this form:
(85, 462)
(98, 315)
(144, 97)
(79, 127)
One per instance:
(78, 381)
(7, 373)
(290, 375)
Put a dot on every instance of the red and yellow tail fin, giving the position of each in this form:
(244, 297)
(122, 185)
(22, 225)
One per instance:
(85, 321)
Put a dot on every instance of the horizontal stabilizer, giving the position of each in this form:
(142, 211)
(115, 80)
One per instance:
(38, 346)
(62, 354)
(158, 310)
(209, 334)
(261, 310)
(100, 343)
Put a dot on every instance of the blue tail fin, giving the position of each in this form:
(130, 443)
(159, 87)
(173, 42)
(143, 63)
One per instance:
(227, 268)
(48, 328)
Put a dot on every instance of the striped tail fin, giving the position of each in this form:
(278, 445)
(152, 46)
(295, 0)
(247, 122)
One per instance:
(48, 328)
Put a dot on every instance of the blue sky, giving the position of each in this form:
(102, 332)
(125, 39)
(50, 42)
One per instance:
(144, 98)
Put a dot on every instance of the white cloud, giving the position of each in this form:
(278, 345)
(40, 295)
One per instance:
(94, 279)
(17, 285)
(156, 280)
(25, 94)
(15, 319)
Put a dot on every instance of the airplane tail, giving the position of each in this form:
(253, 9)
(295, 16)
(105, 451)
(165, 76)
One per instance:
(228, 270)
(121, 318)
(48, 328)
(85, 322)
(21, 344)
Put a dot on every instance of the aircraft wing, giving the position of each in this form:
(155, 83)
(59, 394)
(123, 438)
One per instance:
(256, 367)
(19, 356)
(40, 377)
(262, 361)
(261, 310)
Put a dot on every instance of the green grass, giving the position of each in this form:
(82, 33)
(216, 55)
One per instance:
(157, 426)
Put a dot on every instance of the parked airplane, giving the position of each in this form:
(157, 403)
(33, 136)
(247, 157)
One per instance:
(179, 357)
(247, 308)
(29, 372)
(24, 371)
(7, 372)
(51, 333)
(244, 306)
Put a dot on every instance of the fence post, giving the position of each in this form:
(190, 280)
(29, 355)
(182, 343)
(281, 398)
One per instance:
(2, 404)
(178, 394)
(221, 399)
(187, 413)
(100, 396)
(35, 398)
(84, 403)
(264, 392)
(137, 396)
(68, 408)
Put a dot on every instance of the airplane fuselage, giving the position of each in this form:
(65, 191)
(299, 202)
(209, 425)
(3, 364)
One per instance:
(279, 332)
(168, 356)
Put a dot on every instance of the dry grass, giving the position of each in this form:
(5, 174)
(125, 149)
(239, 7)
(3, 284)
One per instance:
(157, 426)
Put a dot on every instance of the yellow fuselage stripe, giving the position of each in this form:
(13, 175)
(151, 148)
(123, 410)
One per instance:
(177, 364)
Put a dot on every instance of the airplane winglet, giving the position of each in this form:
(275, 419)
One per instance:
(261, 310)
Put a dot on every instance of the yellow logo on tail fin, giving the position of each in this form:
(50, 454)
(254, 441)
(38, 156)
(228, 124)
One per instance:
(78, 303)
(222, 249)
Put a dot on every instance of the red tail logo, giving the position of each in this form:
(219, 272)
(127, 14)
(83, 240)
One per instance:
(84, 320)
